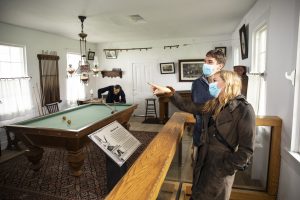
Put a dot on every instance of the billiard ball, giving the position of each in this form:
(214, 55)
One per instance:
(64, 117)
(69, 122)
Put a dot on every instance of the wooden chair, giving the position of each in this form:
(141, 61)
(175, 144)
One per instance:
(52, 107)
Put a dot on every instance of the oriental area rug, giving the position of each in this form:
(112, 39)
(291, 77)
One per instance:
(52, 181)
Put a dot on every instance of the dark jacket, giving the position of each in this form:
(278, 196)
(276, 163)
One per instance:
(111, 97)
(216, 164)
(200, 94)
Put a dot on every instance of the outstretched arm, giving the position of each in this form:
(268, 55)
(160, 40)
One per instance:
(102, 90)
(182, 104)
(160, 90)
(123, 98)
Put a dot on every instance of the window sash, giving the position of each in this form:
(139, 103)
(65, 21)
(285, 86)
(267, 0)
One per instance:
(295, 140)
(15, 93)
(12, 61)
(75, 88)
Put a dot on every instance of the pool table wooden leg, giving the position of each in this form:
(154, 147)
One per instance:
(75, 160)
(34, 153)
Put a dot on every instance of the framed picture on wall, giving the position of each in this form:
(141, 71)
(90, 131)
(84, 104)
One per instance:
(111, 54)
(244, 41)
(190, 70)
(223, 49)
(167, 68)
(91, 55)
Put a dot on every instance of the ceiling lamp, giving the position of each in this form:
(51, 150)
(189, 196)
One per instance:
(84, 66)
(83, 69)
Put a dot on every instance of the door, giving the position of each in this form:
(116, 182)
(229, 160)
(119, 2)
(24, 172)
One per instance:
(142, 73)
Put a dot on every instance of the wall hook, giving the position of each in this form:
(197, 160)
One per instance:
(291, 76)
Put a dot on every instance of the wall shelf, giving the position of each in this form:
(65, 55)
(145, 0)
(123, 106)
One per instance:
(112, 74)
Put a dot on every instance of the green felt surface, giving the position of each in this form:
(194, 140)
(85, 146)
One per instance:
(80, 116)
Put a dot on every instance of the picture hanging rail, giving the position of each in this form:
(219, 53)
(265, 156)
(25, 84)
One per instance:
(171, 46)
(113, 53)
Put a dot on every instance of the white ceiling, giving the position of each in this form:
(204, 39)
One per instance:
(108, 20)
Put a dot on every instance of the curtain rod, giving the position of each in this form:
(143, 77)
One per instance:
(22, 77)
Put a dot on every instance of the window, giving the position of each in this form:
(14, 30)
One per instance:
(236, 56)
(295, 143)
(257, 85)
(75, 89)
(15, 93)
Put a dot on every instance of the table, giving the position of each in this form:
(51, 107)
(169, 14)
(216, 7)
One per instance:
(52, 131)
(164, 104)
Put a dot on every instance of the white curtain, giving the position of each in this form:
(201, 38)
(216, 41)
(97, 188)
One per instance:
(15, 94)
(15, 97)
(257, 93)
(75, 89)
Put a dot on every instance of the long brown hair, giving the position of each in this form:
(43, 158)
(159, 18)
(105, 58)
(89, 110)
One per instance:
(232, 89)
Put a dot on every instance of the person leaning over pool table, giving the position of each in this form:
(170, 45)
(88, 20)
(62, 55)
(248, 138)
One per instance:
(115, 94)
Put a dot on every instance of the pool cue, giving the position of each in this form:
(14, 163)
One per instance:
(112, 110)
(40, 97)
(36, 101)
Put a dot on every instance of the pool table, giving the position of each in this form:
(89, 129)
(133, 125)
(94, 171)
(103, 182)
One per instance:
(53, 130)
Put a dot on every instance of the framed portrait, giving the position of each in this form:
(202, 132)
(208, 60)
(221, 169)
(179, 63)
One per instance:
(223, 49)
(167, 68)
(244, 41)
(190, 70)
(91, 55)
(111, 54)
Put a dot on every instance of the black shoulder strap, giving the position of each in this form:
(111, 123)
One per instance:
(221, 139)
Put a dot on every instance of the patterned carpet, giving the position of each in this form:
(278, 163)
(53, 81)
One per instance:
(53, 181)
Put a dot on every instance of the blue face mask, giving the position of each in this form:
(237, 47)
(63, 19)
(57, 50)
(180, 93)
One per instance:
(208, 70)
(214, 90)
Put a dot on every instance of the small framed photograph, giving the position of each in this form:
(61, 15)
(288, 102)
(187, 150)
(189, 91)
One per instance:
(111, 54)
(190, 70)
(223, 49)
(167, 68)
(91, 55)
(244, 41)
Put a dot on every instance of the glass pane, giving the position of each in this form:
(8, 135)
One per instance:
(75, 89)
(181, 168)
(16, 70)
(4, 53)
(16, 54)
(255, 176)
(12, 61)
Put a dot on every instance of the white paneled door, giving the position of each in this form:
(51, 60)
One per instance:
(142, 73)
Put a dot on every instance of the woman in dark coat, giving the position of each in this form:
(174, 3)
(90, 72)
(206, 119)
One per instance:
(227, 142)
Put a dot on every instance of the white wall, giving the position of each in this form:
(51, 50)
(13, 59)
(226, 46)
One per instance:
(282, 18)
(189, 48)
(35, 42)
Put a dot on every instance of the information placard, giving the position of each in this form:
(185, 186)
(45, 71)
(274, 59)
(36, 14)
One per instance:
(117, 142)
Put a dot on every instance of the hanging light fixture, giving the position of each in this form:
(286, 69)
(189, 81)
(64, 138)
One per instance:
(83, 69)
(84, 66)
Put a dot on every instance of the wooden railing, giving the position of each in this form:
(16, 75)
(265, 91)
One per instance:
(146, 176)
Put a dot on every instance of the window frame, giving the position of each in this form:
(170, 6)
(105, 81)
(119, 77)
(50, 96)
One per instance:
(74, 83)
(24, 59)
(295, 138)
(24, 106)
